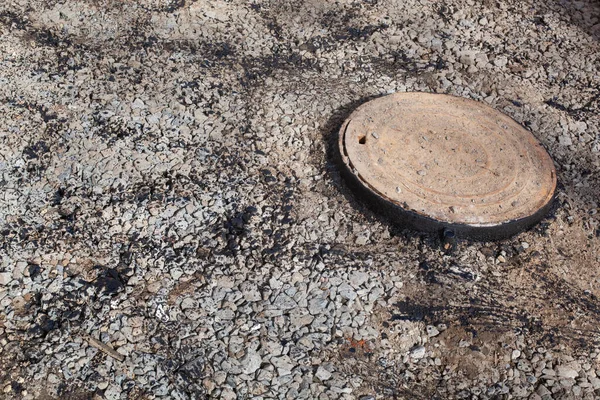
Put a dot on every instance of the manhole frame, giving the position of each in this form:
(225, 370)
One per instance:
(413, 220)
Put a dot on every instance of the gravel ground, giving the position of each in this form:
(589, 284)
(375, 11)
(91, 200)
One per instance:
(174, 225)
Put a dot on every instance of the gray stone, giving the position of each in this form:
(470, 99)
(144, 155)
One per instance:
(138, 104)
(322, 373)
(317, 305)
(564, 371)
(417, 352)
(176, 273)
(347, 291)
(357, 278)
(500, 61)
(282, 363)
(467, 58)
(284, 302)
(5, 278)
(228, 394)
(112, 392)
(362, 238)
(251, 362)
(432, 331)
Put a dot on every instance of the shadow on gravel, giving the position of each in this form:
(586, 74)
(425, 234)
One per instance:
(583, 168)
(541, 304)
(578, 12)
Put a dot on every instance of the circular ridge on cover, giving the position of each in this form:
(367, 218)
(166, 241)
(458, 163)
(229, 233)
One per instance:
(436, 161)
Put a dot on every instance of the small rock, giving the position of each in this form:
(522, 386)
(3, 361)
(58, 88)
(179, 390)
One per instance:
(19, 270)
(432, 331)
(251, 293)
(515, 354)
(565, 371)
(500, 61)
(188, 303)
(543, 391)
(209, 385)
(317, 305)
(322, 373)
(284, 302)
(362, 238)
(251, 362)
(524, 366)
(176, 273)
(357, 278)
(228, 394)
(417, 352)
(5, 278)
(113, 392)
(283, 364)
(467, 58)
(565, 140)
(347, 291)
(138, 104)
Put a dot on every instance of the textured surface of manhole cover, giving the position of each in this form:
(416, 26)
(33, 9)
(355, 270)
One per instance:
(435, 161)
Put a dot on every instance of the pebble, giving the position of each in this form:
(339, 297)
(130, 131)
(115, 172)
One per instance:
(251, 362)
(566, 372)
(228, 394)
(317, 305)
(284, 302)
(346, 291)
(500, 61)
(432, 331)
(358, 278)
(417, 352)
(138, 104)
(112, 392)
(322, 373)
(5, 278)
(176, 273)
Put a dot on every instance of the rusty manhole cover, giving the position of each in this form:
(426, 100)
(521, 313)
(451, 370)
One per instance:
(434, 162)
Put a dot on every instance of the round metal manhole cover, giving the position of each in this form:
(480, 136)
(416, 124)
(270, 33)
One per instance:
(434, 161)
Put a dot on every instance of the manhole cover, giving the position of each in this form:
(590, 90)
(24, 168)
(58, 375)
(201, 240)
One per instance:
(433, 161)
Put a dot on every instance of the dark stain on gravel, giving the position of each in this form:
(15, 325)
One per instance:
(108, 281)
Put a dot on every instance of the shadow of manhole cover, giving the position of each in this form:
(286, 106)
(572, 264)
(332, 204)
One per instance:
(433, 162)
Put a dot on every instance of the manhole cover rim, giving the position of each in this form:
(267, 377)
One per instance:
(422, 221)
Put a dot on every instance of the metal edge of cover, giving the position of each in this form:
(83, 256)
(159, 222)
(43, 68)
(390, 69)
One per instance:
(418, 222)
